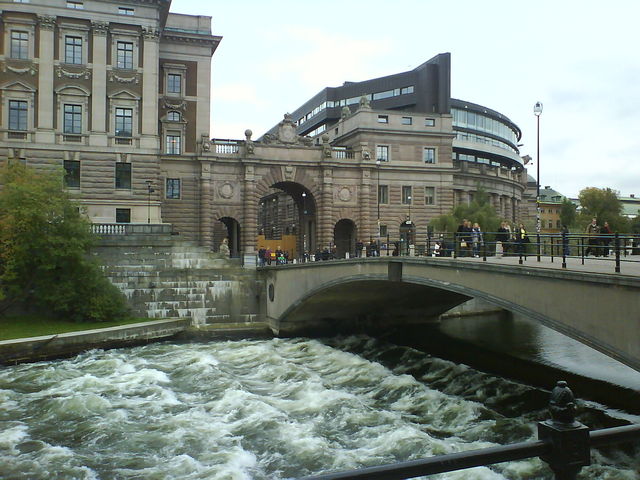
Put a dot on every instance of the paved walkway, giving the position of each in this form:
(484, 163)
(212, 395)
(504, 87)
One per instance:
(629, 266)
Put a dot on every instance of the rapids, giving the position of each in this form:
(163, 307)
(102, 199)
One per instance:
(268, 409)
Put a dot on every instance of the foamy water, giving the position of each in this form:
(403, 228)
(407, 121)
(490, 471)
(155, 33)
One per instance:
(267, 409)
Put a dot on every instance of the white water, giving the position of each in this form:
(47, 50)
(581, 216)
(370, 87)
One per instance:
(268, 409)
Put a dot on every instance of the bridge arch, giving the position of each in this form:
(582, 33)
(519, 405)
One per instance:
(373, 290)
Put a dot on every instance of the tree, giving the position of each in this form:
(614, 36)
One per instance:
(479, 210)
(568, 212)
(602, 204)
(44, 243)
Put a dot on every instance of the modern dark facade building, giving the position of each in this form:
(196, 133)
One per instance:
(482, 135)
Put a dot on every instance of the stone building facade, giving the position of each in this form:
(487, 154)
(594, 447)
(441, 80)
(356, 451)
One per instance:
(117, 94)
(106, 91)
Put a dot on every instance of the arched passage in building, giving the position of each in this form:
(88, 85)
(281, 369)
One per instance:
(287, 220)
(229, 228)
(344, 237)
(407, 236)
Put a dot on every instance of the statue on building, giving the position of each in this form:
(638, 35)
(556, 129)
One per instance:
(346, 111)
(364, 102)
(248, 143)
(224, 248)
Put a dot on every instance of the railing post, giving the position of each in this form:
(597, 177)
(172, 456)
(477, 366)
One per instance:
(616, 245)
(565, 248)
(484, 251)
(569, 439)
(582, 248)
(538, 242)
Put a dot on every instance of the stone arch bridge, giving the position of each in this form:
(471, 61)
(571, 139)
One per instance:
(600, 310)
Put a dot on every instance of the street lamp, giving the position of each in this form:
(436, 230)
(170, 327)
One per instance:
(537, 111)
(378, 197)
(149, 192)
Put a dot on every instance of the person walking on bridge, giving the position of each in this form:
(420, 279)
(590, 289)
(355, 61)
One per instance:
(592, 231)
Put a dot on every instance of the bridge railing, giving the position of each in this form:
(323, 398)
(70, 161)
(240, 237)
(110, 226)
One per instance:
(563, 444)
(615, 247)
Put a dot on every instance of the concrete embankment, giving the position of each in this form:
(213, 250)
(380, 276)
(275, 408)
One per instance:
(68, 344)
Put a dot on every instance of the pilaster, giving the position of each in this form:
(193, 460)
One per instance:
(206, 197)
(99, 127)
(325, 213)
(46, 110)
(149, 132)
(250, 212)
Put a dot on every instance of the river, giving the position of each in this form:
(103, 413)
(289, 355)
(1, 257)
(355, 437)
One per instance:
(269, 409)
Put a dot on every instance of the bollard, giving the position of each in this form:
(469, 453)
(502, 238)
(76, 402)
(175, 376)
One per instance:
(568, 438)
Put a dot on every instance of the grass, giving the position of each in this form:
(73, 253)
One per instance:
(33, 326)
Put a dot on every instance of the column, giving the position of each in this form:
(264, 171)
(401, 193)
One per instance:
(365, 229)
(206, 198)
(250, 207)
(325, 210)
(149, 132)
(99, 128)
(46, 108)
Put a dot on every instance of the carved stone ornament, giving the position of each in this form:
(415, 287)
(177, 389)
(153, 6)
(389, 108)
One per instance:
(100, 28)
(364, 103)
(248, 143)
(113, 77)
(62, 73)
(46, 22)
(150, 33)
(287, 134)
(226, 190)
(30, 69)
(175, 106)
(206, 143)
(344, 194)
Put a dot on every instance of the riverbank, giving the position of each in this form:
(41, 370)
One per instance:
(48, 347)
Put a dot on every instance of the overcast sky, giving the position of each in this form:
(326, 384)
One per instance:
(579, 58)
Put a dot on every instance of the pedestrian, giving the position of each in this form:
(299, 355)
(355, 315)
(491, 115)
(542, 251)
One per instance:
(359, 247)
(502, 238)
(477, 239)
(605, 238)
(592, 231)
(522, 239)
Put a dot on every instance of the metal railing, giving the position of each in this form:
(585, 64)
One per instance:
(563, 444)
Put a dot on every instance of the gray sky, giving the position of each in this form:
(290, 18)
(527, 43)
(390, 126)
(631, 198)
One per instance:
(579, 58)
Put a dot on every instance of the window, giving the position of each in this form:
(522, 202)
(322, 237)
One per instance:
(382, 153)
(73, 50)
(72, 121)
(558, 224)
(174, 83)
(125, 55)
(383, 194)
(429, 195)
(72, 173)
(407, 120)
(406, 195)
(123, 215)
(173, 188)
(17, 115)
(19, 45)
(406, 90)
(173, 116)
(173, 143)
(383, 118)
(125, 11)
(429, 122)
(124, 122)
(76, 5)
(429, 155)
(383, 230)
(550, 224)
(123, 175)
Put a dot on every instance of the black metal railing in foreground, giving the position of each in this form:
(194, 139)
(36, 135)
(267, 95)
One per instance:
(562, 443)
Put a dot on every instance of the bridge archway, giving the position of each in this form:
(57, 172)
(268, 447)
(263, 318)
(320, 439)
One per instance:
(229, 228)
(407, 236)
(287, 219)
(344, 237)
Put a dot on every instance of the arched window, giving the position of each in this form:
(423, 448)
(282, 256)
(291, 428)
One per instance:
(173, 116)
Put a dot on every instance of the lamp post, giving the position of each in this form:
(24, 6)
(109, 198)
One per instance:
(378, 197)
(537, 111)
(304, 224)
(149, 192)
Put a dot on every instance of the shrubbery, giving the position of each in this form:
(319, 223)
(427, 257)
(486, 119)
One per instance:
(44, 243)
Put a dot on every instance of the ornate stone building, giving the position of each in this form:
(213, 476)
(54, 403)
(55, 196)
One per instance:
(118, 93)
(108, 91)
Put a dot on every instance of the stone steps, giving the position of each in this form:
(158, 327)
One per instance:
(181, 281)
